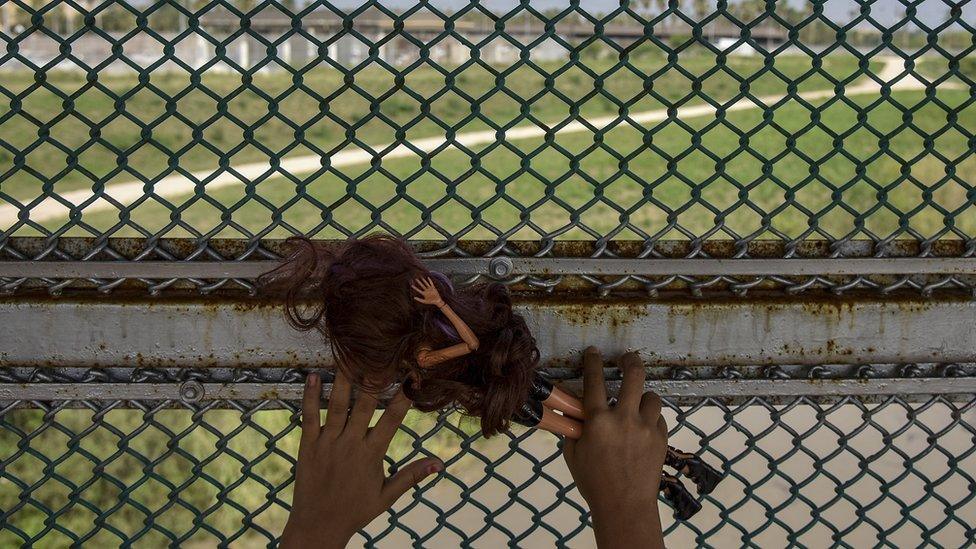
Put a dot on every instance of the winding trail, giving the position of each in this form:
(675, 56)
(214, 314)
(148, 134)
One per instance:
(127, 192)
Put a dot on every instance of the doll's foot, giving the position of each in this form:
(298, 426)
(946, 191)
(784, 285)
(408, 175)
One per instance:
(705, 477)
(684, 504)
(529, 414)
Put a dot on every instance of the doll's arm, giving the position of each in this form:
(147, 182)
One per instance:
(467, 336)
(431, 357)
(430, 296)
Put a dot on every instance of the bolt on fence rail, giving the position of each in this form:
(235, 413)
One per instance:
(194, 133)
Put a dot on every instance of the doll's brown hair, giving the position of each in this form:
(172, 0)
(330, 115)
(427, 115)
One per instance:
(359, 297)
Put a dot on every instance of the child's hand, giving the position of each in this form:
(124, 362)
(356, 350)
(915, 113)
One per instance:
(428, 294)
(340, 482)
(617, 462)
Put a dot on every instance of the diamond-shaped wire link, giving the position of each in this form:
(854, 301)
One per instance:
(262, 119)
(894, 472)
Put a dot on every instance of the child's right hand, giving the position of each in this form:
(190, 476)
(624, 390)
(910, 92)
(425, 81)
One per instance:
(618, 460)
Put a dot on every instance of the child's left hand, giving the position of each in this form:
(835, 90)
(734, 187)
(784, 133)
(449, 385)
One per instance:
(428, 294)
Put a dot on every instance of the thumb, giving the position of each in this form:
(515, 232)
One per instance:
(409, 476)
(569, 449)
(569, 456)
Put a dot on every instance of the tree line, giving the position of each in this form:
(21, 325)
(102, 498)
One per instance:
(163, 16)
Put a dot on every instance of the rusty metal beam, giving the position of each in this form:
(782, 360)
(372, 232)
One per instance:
(253, 333)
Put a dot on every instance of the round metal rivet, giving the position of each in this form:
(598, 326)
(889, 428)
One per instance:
(191, 392)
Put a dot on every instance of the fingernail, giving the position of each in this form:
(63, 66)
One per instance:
(591, 350)
(434, 468)
(311, 380)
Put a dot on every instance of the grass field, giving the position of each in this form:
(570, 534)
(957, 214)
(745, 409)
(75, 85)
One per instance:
(875, 168)
(245, 123)
(846, 171)
(837, 176)
(229, 474)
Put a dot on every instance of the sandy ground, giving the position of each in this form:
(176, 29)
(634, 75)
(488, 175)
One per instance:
(815, 490)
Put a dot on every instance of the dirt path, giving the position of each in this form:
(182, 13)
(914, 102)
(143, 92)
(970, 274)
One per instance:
(128, 192)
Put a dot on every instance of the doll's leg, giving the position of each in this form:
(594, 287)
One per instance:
(545, 392)
(534, 414)
(684, 504)
(560, 424)
(702, 474)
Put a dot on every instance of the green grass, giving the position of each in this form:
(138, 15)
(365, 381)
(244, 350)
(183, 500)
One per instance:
(578, 178)
(241, 123)
(128, 472)
(714, 179)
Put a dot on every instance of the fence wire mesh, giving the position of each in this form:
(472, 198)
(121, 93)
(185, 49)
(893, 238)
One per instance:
(799, 470)
(747, 129)
(456, 120)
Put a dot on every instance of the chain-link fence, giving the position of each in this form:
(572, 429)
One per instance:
(460, 121)
(630, 147)
(164, 469)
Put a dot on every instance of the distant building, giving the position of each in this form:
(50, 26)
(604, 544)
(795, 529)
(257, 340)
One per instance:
(401, 42)
(271, 40)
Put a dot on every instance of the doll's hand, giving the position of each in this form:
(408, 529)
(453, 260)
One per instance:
(428, 292)
(340, 485)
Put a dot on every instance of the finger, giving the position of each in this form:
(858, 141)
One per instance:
(633, 385)
(362, 413)
(569, 455)
(662, 428)
(569, 450)
(420, 299)
(382, 434)
(594, 388)
(650, 407)
(408, 477)
(335, 420)
(311, 411)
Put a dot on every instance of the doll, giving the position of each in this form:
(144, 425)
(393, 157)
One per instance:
(390, 320)
(362, 297)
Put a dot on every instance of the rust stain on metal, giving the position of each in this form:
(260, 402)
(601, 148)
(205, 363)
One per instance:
(182, 248)
(684, 313)
(614, 315)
